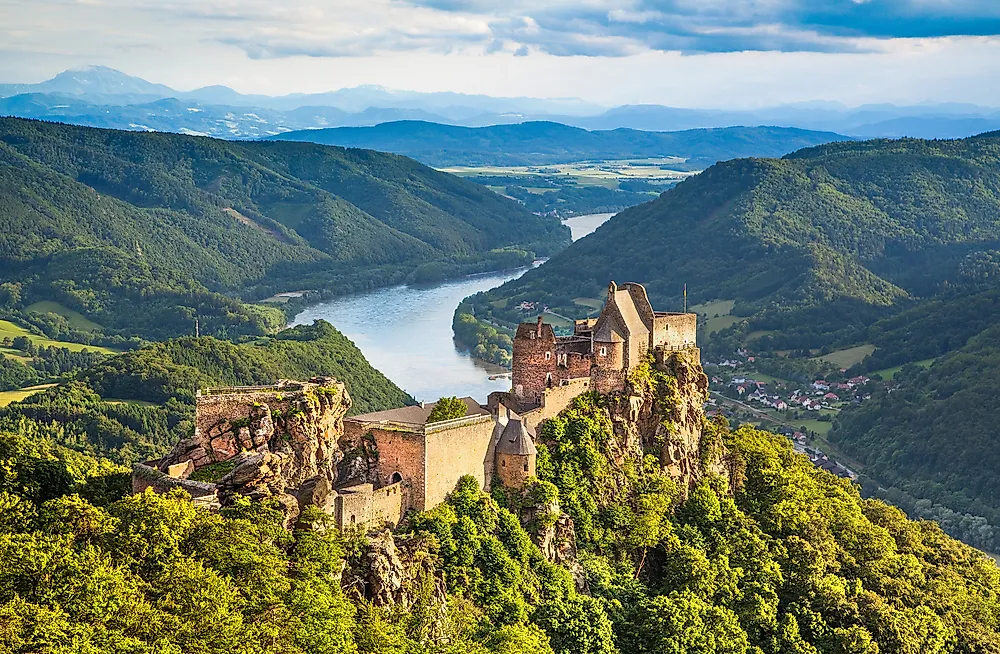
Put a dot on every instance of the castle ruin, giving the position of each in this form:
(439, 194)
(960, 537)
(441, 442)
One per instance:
(294, 442)
(549, 370)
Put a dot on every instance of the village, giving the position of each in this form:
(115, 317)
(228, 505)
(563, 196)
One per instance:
(803, 411)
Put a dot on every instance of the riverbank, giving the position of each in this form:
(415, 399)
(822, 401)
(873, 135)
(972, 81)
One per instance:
(405, 331)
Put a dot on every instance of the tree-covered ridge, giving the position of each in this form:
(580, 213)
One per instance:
(781, 558)
(100, 220)
(933, 435)
(136, 406)
(866, 225)
(540, 142)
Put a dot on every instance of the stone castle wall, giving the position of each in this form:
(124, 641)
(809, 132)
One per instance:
(147, 475)
(365, 505)
(676, 330)
(515, 470)
(454, 452)
(400, 451)
(534, 360)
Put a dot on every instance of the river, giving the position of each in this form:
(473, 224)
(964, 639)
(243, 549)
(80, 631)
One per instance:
(405, 331)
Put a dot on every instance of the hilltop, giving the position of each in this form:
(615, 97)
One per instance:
(539, 143)
(867, 226)
(887, 248)
(103, 222)
(603, 552)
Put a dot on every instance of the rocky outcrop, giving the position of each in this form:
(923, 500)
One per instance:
(665, 417)
(680, 453)
(396, 574)
(280, 444)
(555, 535)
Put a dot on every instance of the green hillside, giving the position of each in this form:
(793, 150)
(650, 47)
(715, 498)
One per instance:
(933, 437)
(824, 240)
(538, 143)
(840, 248)
(780, 559)
(101, 222)
(137, 405)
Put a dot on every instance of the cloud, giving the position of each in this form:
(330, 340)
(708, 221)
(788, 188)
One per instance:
(267, 30)
(623, 27)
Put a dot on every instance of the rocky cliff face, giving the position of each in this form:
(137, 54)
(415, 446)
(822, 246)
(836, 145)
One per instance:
(284, 446)
(661, 412)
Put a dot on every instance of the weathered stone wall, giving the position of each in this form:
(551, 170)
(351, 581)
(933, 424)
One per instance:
(641, 301)
(555, 400)
(606, 374)
(514, 470)
(576, 365)
(147, 475)
(400, 452)
(363, 505)
(534, 360)
(452, 453)
(676, 330)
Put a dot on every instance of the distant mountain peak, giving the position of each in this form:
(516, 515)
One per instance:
(102, 80)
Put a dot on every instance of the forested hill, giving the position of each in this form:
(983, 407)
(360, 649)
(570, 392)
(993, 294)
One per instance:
(862, 226)
(137, 405)
(104, 221)
(534, 143)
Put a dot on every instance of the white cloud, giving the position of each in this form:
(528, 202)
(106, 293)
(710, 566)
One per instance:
(611, 52)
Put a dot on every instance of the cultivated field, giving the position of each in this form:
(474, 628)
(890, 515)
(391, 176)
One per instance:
(9, 329)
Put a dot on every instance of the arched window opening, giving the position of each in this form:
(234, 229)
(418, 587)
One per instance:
(395, 478)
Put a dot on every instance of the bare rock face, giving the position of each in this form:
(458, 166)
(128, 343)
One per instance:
(672, 425)
(555, 535)
(309, 435)
(284, 445)
(389, 571)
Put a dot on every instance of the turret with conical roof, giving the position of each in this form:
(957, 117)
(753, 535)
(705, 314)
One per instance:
(516, 454)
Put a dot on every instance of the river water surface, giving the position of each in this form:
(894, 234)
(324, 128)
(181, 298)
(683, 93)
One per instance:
(405, 331)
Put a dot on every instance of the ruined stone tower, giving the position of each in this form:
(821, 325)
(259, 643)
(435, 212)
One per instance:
(516, 454)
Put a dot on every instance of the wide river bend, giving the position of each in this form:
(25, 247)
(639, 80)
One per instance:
(405, 331)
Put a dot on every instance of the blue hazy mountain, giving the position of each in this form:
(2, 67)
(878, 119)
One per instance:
(100, 96)
(534, 143)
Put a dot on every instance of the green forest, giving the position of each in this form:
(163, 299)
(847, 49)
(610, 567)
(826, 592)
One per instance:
(136, 406)
(824, 240)
(102, 222)
(779, 557)
(887, 243)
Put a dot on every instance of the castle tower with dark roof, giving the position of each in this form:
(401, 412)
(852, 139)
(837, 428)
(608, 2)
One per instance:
(516, 454)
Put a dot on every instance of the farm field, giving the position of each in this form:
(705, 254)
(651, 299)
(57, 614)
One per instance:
(6, 397)
(597, 173)
(848, 357)
(718, 323)
(75, 320)
(714, 308)
(890, 373)
(9, 329)
(590, 303)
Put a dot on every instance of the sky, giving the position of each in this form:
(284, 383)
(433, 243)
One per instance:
(688, 53)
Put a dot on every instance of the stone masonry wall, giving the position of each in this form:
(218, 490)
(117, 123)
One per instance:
(453, 453)
(363, 505)
(402, 452)
(555, 400)
(676, 330)
(534, 360)
(514, 470)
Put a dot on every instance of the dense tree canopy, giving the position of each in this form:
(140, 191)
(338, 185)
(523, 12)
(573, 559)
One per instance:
(137, 405)
(103, 221)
